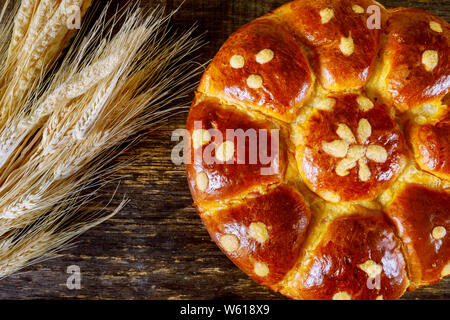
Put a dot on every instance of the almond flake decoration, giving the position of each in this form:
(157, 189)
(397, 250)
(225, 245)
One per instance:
(353, 153)
(261, 269)
(357, 9)
(345, 133)
(430, 59)
(364, 103)
(237, 61)
(347, 46)
(439, 232)
(200, 137)
(371, 268)
(364, 130)
(376, 153)
(344, 165)
(264, 56)
(364, 171)
(435, 26)
(342, 295)
(225, 151)
(258, 231)
(326, 15)
(356, 152)
(336, 148)
(254, 81)
(202, 181)
(229, 242)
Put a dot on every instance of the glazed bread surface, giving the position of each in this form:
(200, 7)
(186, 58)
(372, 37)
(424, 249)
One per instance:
(355, 200)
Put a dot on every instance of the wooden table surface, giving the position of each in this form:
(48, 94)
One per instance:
(157, 247)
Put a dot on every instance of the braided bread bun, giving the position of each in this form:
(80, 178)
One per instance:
(357, 203)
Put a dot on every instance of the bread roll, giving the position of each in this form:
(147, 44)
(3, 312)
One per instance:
(355, 200)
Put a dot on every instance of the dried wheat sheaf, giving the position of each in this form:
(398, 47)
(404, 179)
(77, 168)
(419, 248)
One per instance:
(63, 117)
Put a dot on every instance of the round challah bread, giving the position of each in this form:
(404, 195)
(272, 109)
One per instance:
(355, 202)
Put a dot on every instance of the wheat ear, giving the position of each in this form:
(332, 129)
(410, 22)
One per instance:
(47, 34)
(14, 133)
(46, 238)
(21, 23)
(7, 16)
(80, 138)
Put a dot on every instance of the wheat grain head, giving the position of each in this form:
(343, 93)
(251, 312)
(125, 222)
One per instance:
(47, 33)
(75, 141)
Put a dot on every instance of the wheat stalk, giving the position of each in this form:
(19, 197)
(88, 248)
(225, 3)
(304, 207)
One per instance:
(14, 133)
(21, 23)
(6, 31)
(55, 143)
(47, 33)
(42, 15)
(21, 249)
(18, 255)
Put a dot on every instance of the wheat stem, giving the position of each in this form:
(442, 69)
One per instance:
(46, 36)
(21, 23)
(107, 91)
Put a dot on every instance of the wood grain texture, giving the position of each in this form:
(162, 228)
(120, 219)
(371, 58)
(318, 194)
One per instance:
(157, 247)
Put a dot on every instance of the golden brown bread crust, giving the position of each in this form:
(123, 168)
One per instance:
(280, 219)
(408, 35)
(225, 181)
(320, 170)
(358, 257)
(350, 195)
(286, 79)
(422, 216)
(335, 70)
(431, 146)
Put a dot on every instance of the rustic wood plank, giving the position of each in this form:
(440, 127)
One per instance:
(157, 248)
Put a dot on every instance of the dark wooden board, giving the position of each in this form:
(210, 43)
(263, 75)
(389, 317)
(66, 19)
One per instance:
(157, 248)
